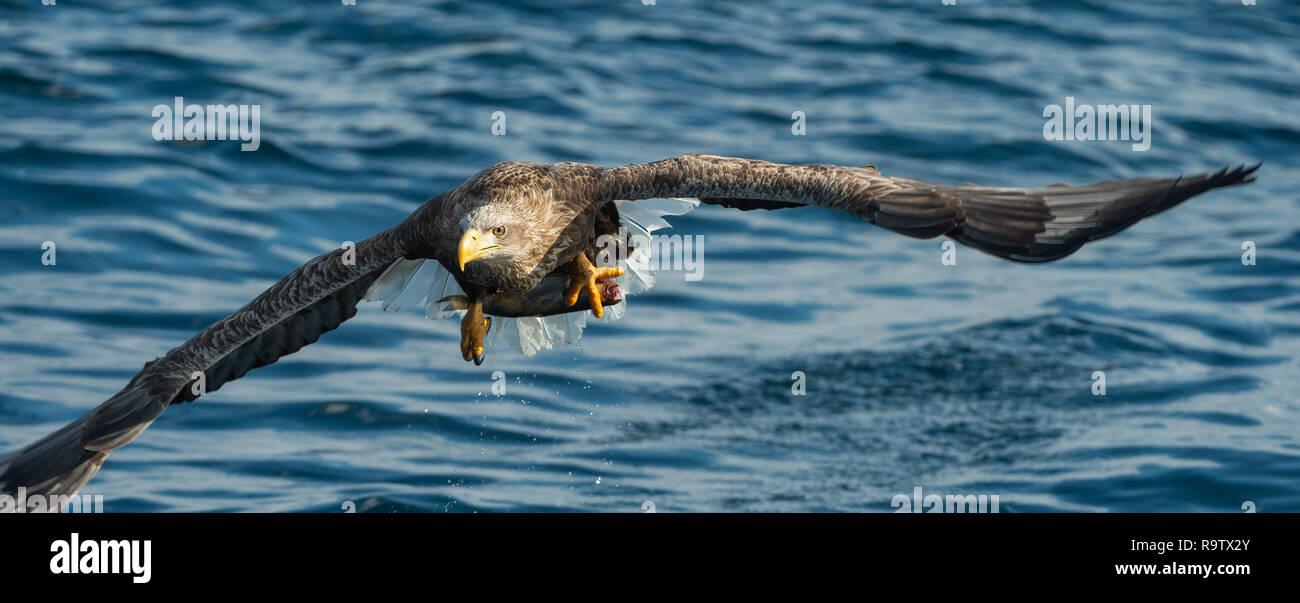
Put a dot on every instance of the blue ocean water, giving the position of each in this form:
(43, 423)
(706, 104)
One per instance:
(967, 379)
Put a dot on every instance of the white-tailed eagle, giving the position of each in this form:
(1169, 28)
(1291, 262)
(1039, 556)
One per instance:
(522, 240)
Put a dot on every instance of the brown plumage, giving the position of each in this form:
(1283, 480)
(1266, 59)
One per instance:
(549, 214)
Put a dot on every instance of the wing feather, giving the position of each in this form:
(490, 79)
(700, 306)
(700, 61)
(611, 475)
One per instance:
(296, 311)
(1021, 224)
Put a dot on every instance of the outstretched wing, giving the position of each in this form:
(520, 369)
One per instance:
(294, 312)
(1021, 224)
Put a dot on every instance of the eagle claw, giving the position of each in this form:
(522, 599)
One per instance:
(584, 275)
(473, 328)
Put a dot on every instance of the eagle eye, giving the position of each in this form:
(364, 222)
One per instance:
(499, 231)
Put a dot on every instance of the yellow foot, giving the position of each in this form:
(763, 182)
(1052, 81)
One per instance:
(473, 328)
(583, 275)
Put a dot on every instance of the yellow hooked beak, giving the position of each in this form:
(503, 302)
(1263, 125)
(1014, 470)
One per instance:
(471, 249)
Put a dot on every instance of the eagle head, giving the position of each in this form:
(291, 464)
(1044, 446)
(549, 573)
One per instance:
(493, 236)
(504, 240)
(509, 226)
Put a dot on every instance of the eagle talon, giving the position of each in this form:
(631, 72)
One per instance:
(585, 276)
(473, 328)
